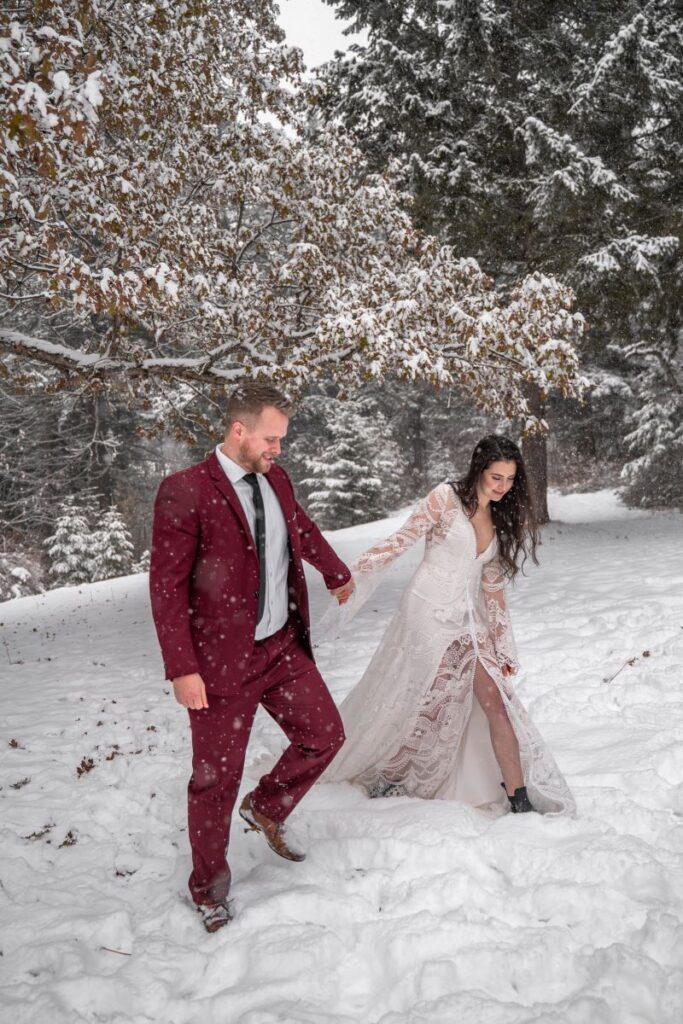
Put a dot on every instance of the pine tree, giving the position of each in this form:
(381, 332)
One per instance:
(632, 101)
(70, 548)
(112, 547)
(20, 572)
(343, 485)
(420, 436)
(539, 136)
(385, 441)
(141, 564)
(653, 475)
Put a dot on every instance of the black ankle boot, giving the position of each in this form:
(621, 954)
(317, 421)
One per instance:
(520, 802)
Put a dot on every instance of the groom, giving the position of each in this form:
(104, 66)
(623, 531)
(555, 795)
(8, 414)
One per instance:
(230, 606)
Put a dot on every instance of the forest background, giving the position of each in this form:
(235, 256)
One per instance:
(468, 221)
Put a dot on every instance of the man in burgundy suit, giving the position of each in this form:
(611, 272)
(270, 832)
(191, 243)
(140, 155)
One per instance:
(230, 607)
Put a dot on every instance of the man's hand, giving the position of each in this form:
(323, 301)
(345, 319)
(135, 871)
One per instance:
(190, 691)
(344, 593)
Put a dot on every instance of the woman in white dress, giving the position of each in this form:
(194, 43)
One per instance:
(435, 714)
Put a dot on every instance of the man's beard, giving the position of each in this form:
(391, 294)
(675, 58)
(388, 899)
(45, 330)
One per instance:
(255, 463)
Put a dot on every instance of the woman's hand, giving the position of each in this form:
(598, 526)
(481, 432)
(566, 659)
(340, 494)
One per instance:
(508, 670)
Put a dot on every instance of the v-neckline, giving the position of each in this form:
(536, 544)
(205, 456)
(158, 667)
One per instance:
(480, 554)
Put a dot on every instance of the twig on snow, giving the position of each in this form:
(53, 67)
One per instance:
(629, 661)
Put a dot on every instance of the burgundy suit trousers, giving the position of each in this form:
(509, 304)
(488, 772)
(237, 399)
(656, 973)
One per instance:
(284, 679)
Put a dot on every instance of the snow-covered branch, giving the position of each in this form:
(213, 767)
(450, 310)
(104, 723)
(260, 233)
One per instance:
(93, 365)
(175, 219)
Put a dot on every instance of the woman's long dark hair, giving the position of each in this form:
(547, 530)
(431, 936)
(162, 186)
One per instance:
(513, 516)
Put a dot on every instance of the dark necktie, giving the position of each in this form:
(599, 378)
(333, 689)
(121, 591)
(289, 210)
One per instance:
(260, 538)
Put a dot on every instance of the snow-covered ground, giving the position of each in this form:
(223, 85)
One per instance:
(405, 912)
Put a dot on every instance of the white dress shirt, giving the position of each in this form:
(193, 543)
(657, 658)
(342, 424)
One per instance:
(276, 606)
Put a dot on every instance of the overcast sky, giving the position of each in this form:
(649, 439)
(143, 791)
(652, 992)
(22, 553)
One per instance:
(312, 26)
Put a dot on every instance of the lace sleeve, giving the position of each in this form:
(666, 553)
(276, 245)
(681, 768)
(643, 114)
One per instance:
(431, 517)
(493, 585)
(427, 516)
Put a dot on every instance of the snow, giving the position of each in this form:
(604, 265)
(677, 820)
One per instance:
(405, 912)
(92, 88)
(61, 81)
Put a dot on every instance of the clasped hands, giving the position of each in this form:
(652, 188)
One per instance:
(344, 593)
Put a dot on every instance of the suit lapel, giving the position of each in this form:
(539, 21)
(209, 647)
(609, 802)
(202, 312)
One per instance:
(279, 485)
(284, 496)
(228, 491)
(283, 489)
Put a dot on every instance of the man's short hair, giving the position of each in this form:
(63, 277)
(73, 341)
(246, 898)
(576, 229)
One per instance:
(252, 397)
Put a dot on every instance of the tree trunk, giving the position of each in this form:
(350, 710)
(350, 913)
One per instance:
(535, 452)
(102, 475)
(413, 422)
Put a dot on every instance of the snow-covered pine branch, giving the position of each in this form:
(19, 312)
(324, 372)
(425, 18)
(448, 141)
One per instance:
(543, 136)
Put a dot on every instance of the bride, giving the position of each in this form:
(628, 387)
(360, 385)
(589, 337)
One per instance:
(435, 714)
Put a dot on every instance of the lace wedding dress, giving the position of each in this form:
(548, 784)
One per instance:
(413, 723)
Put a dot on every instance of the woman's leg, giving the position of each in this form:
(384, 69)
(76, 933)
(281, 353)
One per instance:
(503, 739)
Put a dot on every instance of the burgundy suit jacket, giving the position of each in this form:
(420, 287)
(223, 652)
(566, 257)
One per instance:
(204, 573)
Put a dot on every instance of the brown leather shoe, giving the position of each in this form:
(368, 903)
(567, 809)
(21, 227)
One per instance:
(273, 831)
(215, 915)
